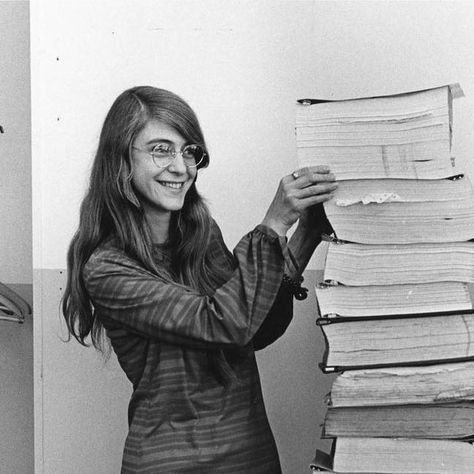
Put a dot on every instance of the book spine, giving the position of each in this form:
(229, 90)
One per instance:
(323, 363)
(333, 239)
(330, 369)
(331, 318)
(322, 462)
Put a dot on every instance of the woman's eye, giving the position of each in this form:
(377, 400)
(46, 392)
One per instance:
(161, 149)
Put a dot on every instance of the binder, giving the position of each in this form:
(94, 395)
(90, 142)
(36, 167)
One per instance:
(453, 421)
(393, 300)
(421, 339)
(390, 264)
(322, 461)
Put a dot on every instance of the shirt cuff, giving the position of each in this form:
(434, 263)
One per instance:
(292, 277)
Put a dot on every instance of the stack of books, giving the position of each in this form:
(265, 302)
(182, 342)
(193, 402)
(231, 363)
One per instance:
(396, 298)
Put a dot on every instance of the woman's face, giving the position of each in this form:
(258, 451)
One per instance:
(160, 190)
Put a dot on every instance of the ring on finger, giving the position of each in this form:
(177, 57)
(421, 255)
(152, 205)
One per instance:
(295, 174)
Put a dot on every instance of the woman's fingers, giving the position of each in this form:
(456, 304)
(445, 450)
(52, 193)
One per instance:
(314, 169)
(323, 188)
(313, 199)
(304, 177)
(297, 192)
(313, 181)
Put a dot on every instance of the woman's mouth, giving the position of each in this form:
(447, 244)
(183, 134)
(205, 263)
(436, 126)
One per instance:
(172, 184)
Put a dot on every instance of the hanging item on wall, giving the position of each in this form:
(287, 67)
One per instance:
(12, 306)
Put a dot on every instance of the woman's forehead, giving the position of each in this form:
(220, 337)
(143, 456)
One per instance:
(156, 130)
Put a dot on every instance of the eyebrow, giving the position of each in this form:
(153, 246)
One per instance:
(159, 140)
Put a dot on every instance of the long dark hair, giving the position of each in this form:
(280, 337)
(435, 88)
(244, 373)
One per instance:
(111, 208)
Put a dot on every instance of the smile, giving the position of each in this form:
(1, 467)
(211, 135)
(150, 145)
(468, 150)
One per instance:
(172, 184)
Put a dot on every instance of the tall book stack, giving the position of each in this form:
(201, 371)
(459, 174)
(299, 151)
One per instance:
(395, 299)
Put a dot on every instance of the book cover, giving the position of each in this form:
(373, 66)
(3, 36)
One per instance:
(390, 264)
(364, 342)
(438, 383)
(389, 300)
(434, 421)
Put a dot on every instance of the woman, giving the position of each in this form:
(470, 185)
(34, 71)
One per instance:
(149, 269)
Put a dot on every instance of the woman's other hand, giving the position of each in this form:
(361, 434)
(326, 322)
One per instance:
(296, 194)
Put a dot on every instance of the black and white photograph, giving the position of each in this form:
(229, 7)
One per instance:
(237, 236)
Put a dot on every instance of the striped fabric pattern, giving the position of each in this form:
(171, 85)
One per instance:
(182, 417)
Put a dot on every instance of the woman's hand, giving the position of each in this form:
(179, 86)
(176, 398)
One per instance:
(296, 193)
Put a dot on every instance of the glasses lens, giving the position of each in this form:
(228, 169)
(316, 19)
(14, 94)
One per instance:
(193, 155)
(162, 154)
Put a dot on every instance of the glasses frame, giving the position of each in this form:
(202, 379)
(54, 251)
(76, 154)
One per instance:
(173, 154)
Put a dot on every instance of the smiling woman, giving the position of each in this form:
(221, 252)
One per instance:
(162, 182)
(148, 270)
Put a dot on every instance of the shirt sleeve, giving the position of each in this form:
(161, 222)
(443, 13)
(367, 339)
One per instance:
(124, 293)
(277, 320)
(281, 313)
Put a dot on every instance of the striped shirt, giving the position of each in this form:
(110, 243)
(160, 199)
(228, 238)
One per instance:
(182, 418)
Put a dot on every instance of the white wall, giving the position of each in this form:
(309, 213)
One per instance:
(241, 65)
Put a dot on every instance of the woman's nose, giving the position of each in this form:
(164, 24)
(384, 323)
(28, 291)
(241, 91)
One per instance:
(178, 165)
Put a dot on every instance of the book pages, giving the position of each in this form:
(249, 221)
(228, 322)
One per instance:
(426, 384)
(402, 136)
(391, 264)
(402, 211)
(402, 455)
(376, 342)
(384, 300)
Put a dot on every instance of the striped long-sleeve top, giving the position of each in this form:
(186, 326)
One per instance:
(182, 417)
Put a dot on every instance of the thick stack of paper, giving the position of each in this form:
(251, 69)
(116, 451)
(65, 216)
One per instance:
(400, 136)
(395, 298)
(397, 455)
(360, 342)
(402, 211)
(404, 385)
(360, 264)
(384, 300)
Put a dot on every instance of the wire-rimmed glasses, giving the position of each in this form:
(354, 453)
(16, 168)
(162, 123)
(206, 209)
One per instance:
(164, 154)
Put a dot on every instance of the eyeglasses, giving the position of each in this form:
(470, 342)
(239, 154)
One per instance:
(163, 154)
